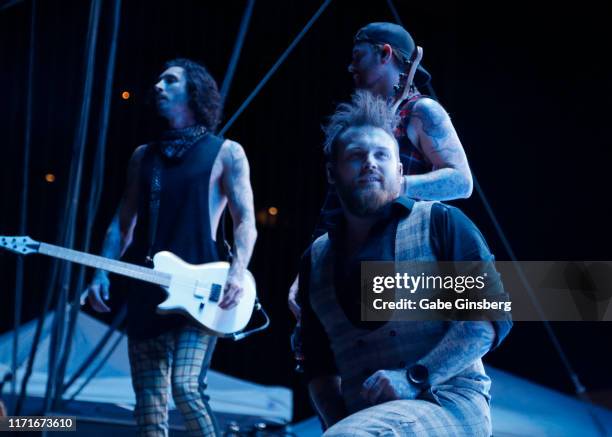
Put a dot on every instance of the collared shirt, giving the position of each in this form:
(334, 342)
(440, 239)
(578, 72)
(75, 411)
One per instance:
(453, 237)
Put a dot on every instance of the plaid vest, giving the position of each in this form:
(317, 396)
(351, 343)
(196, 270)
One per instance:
(397, 344)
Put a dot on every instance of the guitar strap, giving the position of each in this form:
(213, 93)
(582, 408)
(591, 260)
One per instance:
(154, 204)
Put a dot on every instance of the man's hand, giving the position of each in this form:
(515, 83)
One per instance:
(293, 306)
(388, 385)
(97, 292)
(233, 291)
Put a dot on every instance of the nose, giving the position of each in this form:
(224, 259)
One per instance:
(351, 69)
(370, 161)
(159, 87)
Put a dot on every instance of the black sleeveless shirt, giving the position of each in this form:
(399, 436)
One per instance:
(183, 227)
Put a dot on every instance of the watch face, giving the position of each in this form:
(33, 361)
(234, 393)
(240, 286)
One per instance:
(418, 374)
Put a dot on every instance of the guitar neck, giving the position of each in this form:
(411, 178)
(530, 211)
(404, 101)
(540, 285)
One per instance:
(102, 263)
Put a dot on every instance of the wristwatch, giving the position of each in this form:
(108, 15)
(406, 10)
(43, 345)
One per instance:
(418, 375)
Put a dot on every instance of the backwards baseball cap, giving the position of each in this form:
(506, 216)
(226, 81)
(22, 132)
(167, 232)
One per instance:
(399, 39)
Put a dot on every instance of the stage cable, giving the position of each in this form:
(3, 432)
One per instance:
(274, 67)
(24, 200)
(231, 68)
(71, 208)
(95, 192)
(97, 350)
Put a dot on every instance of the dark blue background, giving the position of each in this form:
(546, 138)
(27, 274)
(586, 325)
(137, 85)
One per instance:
(528, 91)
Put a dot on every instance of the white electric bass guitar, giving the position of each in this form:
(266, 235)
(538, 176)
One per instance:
(192, 290)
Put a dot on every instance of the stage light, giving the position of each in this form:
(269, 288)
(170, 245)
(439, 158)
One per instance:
(125, 95)
(50, 177)
(272, 210)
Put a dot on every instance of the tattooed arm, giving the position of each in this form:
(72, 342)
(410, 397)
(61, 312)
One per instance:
(237, 186)
(431, 129)
(119, 233)
(464, 343)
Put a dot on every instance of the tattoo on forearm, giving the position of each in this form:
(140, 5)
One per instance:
(240, 197)
(111, 247)
(464, 343)
(112, 240)
(442, 184)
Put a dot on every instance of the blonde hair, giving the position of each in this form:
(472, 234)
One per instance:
(365, 109)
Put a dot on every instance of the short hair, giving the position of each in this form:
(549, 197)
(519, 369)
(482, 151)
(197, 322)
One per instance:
(204, 97)
(365, 109)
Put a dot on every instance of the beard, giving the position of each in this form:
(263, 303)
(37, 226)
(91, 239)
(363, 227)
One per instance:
(369, 200)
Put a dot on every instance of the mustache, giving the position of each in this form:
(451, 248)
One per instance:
(367, 174)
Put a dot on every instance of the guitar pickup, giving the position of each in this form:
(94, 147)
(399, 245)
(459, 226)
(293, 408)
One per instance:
(215, 293)
(199, 292)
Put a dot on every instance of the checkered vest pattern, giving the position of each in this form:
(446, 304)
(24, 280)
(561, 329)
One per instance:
(396, 345)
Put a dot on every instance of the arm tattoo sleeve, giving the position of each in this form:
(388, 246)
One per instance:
(434, 119)
(119, 233)
(464, 343)
(240, 200)
(451, 177)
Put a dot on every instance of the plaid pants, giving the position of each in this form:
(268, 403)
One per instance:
(457, 413)
(180, 358)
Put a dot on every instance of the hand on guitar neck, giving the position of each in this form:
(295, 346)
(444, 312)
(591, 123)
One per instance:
(98, 292)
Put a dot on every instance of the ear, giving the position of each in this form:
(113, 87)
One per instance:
(331, 174)
(386, 54)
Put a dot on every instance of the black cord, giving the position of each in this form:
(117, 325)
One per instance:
(275, 67)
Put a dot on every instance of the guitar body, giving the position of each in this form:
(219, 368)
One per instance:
(193, 291)
(196, 290)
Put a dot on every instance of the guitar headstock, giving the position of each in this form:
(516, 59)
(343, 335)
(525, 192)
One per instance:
(22, 245)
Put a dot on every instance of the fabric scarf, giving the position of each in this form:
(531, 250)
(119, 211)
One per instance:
(174, 143)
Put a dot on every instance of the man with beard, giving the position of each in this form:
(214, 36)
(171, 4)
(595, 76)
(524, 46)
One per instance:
(176, 191)
(386, 62)
(388, 378)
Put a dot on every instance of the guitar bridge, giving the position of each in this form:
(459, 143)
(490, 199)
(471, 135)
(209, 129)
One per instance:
(215, 293)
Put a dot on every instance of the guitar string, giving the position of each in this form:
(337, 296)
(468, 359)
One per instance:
(144, 273)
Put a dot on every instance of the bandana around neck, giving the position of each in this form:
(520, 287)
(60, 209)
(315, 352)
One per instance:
(174, 143)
